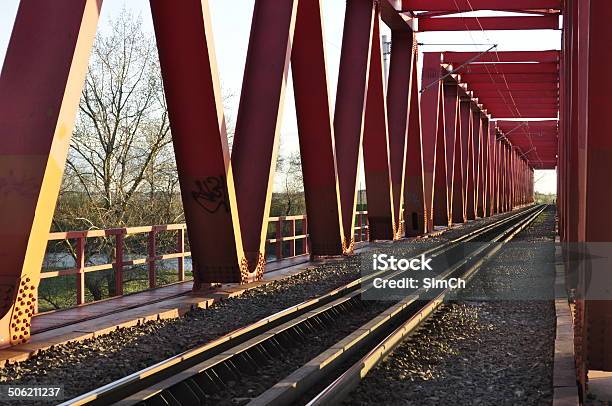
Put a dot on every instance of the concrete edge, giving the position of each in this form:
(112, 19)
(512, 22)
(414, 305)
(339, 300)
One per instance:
(565, 388)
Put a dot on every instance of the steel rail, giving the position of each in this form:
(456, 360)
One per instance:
(335, 392)
(149, 381)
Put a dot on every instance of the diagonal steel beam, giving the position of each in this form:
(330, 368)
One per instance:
(186, 51)
(40, 86)
(316, 137)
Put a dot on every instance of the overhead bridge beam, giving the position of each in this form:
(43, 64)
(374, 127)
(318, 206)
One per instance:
(511, 77)
(459, 58)
(470, 5)
(489, 23)
(510, 68)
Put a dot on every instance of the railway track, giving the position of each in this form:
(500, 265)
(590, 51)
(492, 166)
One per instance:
(195, 376)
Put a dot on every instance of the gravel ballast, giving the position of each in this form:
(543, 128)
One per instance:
(86, 365)
(470, 352)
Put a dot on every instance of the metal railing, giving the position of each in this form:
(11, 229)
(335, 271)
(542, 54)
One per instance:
(362, 229)
(119, 263)
(283, 235)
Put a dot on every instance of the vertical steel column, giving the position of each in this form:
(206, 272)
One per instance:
(502, 187)
(490, 165)
(512, 178)
(451, 107)
(508, 173)
(521, 180)
(398, 105)
(531, 190)
(431, 99)
(258, 123)
(316, 136)
(597, 165)
(379, 192)
(477, 141)
(583, 77)
(470, 193)
(572, 171)
(484, 178)
(350, 106)
(187, 58)
(458, 205)
(40, 86)
(414, 190)
(440, 198)
(494, 174)
(498, 176)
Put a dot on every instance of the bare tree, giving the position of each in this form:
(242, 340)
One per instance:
(289, 199)
(120, 169)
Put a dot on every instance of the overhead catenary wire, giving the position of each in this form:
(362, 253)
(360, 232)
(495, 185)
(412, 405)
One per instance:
(453, 71)
(497, 72)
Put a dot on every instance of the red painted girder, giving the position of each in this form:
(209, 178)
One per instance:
(498, 175)
(414, 201)
(470, 193)
(504, 170)
(440, 195)
(430, 110)
(393, 18)
(545, 148)
(515, 93)
(512, 87)
(548, 143)
(473, 79)
(536, 135)
(465, 5)
(257, 125)
(522, 111)
(398, 102)
(451, 109)
(519, 100)
(490, 168)
(316, 132)
(186, 53)
(486, 134)
(550, 22)
(504, 113)
(459, 58)
(477, 140)
(464, 120)
(379, 192)
(501, 68)
(40, 86)
(569, 154)
(529, 124)
(458, 196)
(350, 103)
(598, 165)
(493, 173)
(520, 106)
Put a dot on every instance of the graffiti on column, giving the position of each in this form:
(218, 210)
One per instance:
(211, 194)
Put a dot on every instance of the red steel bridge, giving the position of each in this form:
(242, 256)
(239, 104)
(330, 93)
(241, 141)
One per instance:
(461, 144)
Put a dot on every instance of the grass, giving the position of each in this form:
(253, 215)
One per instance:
(60, 292)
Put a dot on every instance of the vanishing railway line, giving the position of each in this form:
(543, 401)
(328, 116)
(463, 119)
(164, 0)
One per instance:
(326, 344)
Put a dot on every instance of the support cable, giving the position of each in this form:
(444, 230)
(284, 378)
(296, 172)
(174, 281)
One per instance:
(457, 68)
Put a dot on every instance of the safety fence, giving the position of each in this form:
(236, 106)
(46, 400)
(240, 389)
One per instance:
(287, 237)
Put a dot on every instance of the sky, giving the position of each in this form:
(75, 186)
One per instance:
(231, 27)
